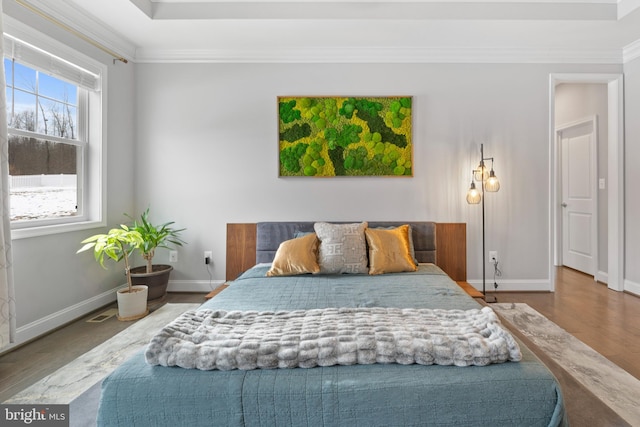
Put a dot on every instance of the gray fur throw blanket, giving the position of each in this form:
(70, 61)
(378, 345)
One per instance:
(225, 340)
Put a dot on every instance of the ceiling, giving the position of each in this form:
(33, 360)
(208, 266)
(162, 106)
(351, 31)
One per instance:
(573, 31)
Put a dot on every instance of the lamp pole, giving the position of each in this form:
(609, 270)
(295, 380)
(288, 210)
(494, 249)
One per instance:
(491, 298)
(489, 182)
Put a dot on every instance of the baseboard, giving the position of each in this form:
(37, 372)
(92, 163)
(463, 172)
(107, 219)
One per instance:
(204, 286)
(632, 287)
(514, 285)
(55, 320)
(602, 277)
(628, 285)
(544, 285)
(60, 318)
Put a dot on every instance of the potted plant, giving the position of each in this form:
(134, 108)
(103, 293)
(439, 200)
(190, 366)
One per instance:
(155, 276)
(117, 245)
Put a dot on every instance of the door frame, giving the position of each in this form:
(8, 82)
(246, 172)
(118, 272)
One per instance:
(615, 174)
(559, 243)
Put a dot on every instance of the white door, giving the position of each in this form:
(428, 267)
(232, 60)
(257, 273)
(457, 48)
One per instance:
(579, 168)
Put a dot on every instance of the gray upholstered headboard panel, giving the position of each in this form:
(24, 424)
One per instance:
(269, 235)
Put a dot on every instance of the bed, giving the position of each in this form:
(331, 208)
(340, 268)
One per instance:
(522, 393)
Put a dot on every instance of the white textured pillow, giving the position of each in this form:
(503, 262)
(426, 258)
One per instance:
(343, 248)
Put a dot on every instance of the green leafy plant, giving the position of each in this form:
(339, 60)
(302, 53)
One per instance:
(117, 245)
(155, 236)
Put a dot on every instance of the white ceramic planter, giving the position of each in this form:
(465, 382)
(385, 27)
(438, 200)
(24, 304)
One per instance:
(132, 306)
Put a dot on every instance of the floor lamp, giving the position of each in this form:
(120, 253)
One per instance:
(488, 182)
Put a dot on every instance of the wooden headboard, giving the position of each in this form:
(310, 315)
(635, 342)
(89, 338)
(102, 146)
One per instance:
(451, 247)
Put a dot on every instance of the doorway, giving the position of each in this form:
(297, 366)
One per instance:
(614, 179)
(578, 151)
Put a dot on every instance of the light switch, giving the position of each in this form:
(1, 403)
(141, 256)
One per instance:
(601, 183)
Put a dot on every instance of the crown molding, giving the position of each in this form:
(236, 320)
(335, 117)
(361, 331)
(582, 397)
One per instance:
(383, 55)
(76, 18)
(631, 51)
(145, 6)
(625, 7)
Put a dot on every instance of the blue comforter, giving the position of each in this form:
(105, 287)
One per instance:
(509, 394)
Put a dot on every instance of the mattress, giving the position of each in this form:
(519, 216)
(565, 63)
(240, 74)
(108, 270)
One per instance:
(508, 394)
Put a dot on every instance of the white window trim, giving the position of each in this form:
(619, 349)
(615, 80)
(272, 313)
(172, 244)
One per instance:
(94, 187)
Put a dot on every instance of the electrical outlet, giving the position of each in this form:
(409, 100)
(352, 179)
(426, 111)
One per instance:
(493, 257)
(207, 257)
(173, 256)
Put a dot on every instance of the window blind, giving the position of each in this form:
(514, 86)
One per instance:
(46, 62)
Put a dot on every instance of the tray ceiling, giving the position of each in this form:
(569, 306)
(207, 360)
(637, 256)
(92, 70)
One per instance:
(600, 31)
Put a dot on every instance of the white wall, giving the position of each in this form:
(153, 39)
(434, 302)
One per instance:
(209, 132)
(632, 175)
(577, 102)
(53, 285)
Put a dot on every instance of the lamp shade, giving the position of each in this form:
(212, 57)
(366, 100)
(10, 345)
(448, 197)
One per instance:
(481, 173)
(492, 183)
(473, 195)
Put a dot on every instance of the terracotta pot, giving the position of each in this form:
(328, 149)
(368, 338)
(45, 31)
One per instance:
(132, 305)
(156, 281)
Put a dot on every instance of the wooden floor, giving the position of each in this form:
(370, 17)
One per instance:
(30, 363)
(606, 320)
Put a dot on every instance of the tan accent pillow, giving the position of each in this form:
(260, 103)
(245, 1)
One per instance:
(296, 256)
(389, 250)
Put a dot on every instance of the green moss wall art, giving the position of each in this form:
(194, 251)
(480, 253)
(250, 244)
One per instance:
(343, 136)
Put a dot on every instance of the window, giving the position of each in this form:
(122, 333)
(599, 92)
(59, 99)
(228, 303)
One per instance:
(54, 109)
(45, 150)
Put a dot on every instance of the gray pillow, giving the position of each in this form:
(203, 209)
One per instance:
(343, 248)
